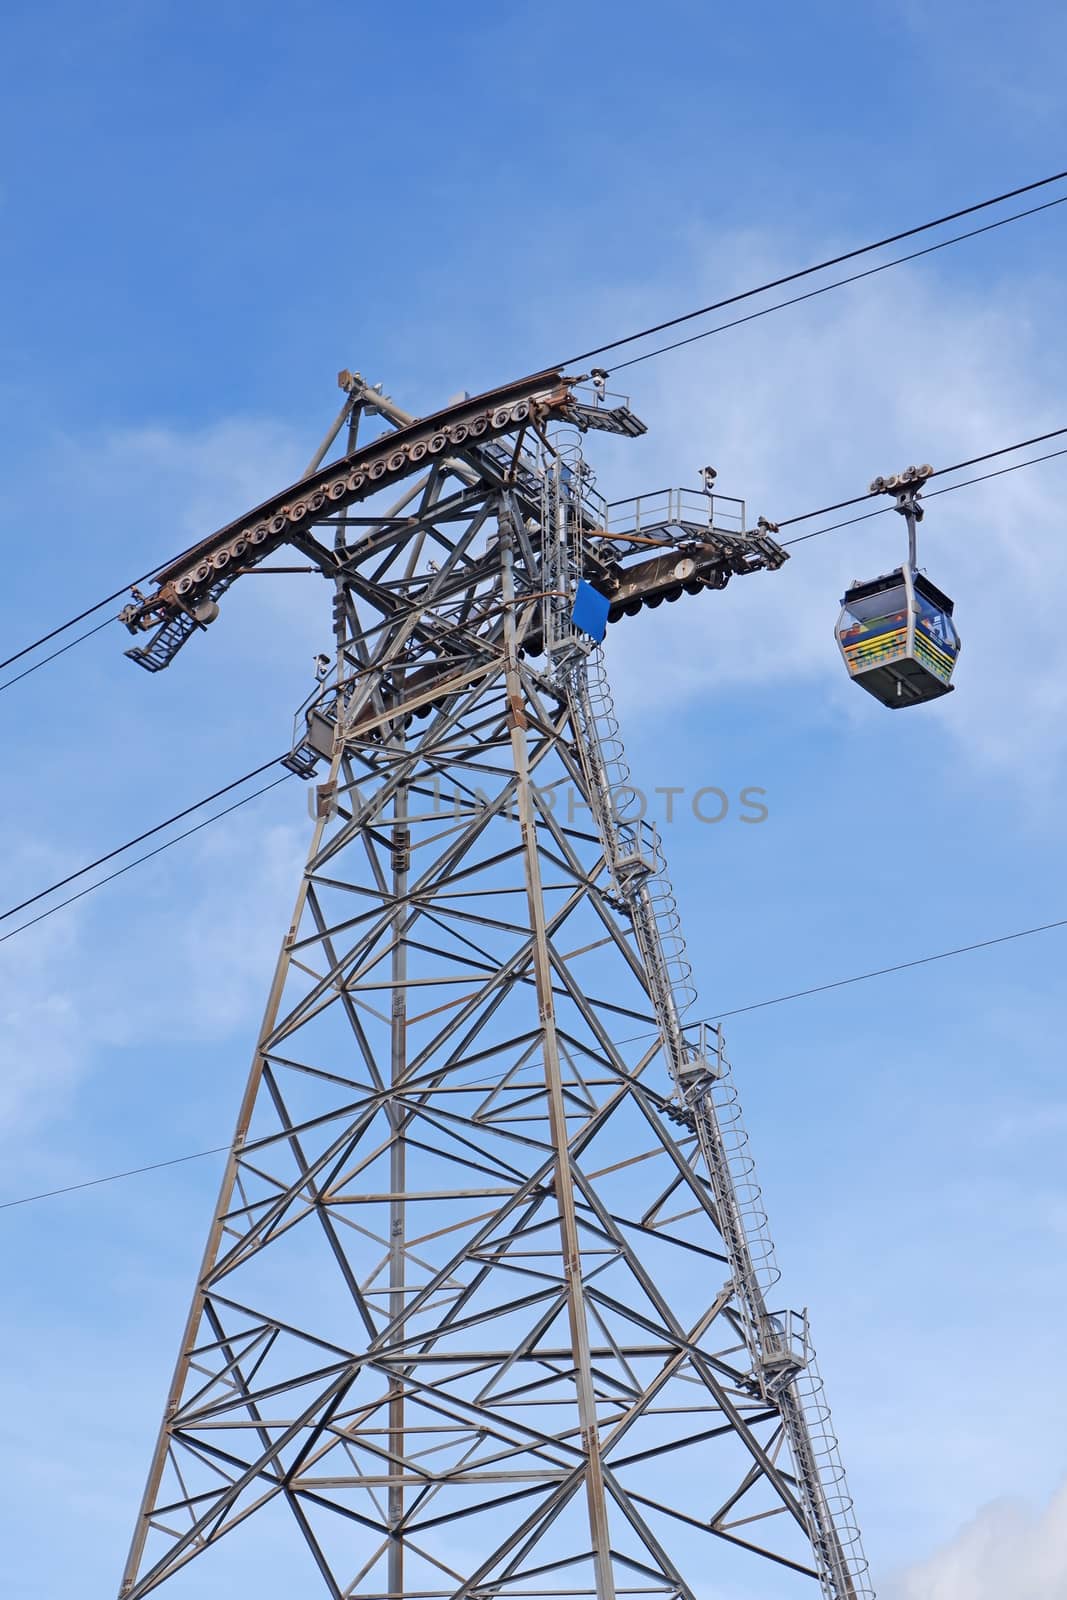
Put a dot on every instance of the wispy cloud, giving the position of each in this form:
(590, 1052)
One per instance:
(182, 482)
(1010, 1551)
(828, 396)
(82, 984)
(906, 368)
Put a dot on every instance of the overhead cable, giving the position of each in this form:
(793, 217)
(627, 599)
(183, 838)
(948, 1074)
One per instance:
(72, 622)
(37, 665)
(112, 1177)
(138, 861)
(717, 1016)
(139, 838)
(965, 483)
(838, 283)
(819, 266)
(160, 826)
(689, 316)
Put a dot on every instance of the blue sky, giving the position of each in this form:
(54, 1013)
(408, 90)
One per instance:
(204, 213)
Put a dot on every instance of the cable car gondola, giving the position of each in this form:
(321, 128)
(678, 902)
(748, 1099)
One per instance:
(896, 632)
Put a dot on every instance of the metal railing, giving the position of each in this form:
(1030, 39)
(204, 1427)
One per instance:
(663, 509)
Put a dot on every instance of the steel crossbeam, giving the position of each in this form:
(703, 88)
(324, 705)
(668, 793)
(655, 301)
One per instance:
(468, 1321)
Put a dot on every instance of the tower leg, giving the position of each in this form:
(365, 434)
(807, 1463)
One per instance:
(215, 1234)
(481, 1313)
(564, 1179)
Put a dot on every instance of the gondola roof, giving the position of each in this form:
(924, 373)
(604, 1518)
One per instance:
(923, 586)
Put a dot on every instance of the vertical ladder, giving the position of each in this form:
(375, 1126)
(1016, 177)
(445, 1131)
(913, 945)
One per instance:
(783, 1362)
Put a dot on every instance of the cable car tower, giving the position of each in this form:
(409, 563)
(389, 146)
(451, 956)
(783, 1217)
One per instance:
(487, 1306)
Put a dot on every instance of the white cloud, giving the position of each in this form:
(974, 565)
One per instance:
(796, 410)
(1010, 1551)
(92, 979)
(181, 483)
(900, 369)
(221, 947)
(70, 989)
(42, 1049)
(862, 381)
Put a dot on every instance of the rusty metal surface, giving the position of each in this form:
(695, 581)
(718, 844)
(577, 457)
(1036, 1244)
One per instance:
(471, 1176)
(695, 556)
(236, 548)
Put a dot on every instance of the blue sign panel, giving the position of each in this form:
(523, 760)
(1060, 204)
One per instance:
(590, 612)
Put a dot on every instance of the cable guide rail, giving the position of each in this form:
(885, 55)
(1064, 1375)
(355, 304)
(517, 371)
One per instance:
(190, 588)
(471, 433)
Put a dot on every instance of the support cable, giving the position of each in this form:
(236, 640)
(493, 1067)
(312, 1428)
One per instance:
(819, 266)
(112, 1177)
(60, 652)
(139, 860)
(688, 316)
(71, 877)
(72, 622)
(218, 793)
(899, 966)
(958, 466)
(838, 283)
(965, 483)
(756, 1005)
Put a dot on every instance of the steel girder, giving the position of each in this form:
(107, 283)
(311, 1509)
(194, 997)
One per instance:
(465, 1319)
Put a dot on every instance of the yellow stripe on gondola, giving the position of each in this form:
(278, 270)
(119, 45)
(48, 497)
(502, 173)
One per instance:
(934, 667)
(867, 652)
(877, 640)
(923, 644)
(890, 652)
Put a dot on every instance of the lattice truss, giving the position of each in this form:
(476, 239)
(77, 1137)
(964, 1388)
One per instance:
(465, 1317)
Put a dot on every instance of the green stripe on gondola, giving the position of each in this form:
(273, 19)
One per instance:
(933, 659)
(882, 647)
(924, 645)
(882, 641)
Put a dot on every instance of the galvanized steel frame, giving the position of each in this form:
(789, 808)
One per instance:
(460, 996)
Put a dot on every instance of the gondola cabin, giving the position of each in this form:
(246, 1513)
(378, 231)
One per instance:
(898, 638)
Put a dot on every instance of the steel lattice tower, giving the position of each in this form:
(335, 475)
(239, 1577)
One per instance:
(483, 1307)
